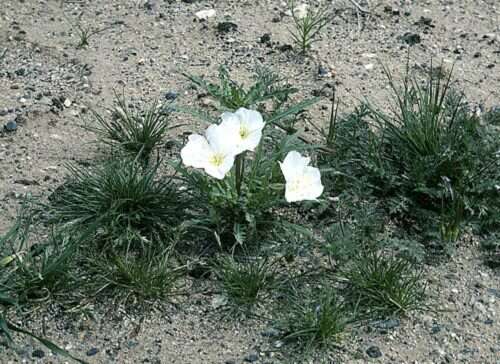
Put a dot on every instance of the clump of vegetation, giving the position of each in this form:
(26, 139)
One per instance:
(128, 205)
(430, 162)
(21, 276)
(245, 282)
(241, 189)
(380, 286)
(307, 24)
(135, 131)
(313, 318)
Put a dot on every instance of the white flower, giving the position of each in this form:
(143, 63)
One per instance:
(243, 128)
(214, 154)
(303, 182)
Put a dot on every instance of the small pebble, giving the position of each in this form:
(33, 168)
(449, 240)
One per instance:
(38, 353)
(11, 125)
(171, 95)
(92, 352)
(374, 352)
(250, 358)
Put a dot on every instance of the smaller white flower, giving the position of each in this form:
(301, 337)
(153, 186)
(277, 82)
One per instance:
(303, 182)
(243, 128)
(213, 153)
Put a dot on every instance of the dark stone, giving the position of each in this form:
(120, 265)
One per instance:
(265, 38)
(425, 22)
(285, 48)
(10, 126)
(488, 321)
(92, 352)
(38, 353)
(322, 71)
(390, 10)
(374, 352)
(149, 5)
(171, 95)
(26, 182)
(230, 361)
(411, 38)
(477, 55)
(251, 358)
(386, 324)
(226, 27)
(21, 72)
(436, 328)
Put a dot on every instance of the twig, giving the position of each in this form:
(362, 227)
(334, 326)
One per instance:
(359, 7)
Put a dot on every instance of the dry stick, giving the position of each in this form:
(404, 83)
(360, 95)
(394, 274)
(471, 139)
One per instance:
(359, 7)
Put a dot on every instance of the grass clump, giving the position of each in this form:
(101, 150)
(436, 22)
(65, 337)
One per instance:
(245, 282)
(25, 276)
(129, 278)
(129, 205)
(307, 24)
(313, 318)
(136, 131)
(429, 162)
(381, 285)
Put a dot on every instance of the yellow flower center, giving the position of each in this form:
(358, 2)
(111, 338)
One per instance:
(216, 160)
(244, 132)
(299, 183)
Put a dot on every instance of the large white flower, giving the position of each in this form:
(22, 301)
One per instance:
(303, 182)
(214, 154)
(243, 128)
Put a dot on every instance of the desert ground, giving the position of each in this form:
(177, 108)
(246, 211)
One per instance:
(142, 48)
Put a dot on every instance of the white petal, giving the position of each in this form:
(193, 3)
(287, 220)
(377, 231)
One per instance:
(314, 188)
(251, 141)
(196, 151)
(293, 165)
(220, 171)
(221, 140)
(251, 118)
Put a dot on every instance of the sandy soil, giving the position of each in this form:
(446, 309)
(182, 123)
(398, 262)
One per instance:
(47, 86)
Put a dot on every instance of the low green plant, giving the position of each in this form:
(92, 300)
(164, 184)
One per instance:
(313, 318)
(16, 260)
(269, 94)
(429, 161)
(129, 205)
(306, 27)
(136, 131)
(129, 277)
(380, 285)
(239, 204)
(245, 280)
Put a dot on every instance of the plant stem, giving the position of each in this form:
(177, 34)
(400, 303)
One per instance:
(239, 171)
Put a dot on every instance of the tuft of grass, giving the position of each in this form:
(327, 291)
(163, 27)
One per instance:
(20, 274)
(135, 131)
(307, 28)
(313, 318)
(245, 282)
(130, 206)
(429, 162)
(380, 286)
(131, 277)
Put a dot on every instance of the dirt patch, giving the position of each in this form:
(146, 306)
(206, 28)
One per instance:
(48, 84)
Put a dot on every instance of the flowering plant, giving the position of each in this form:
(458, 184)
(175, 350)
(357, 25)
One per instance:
(244, 183)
